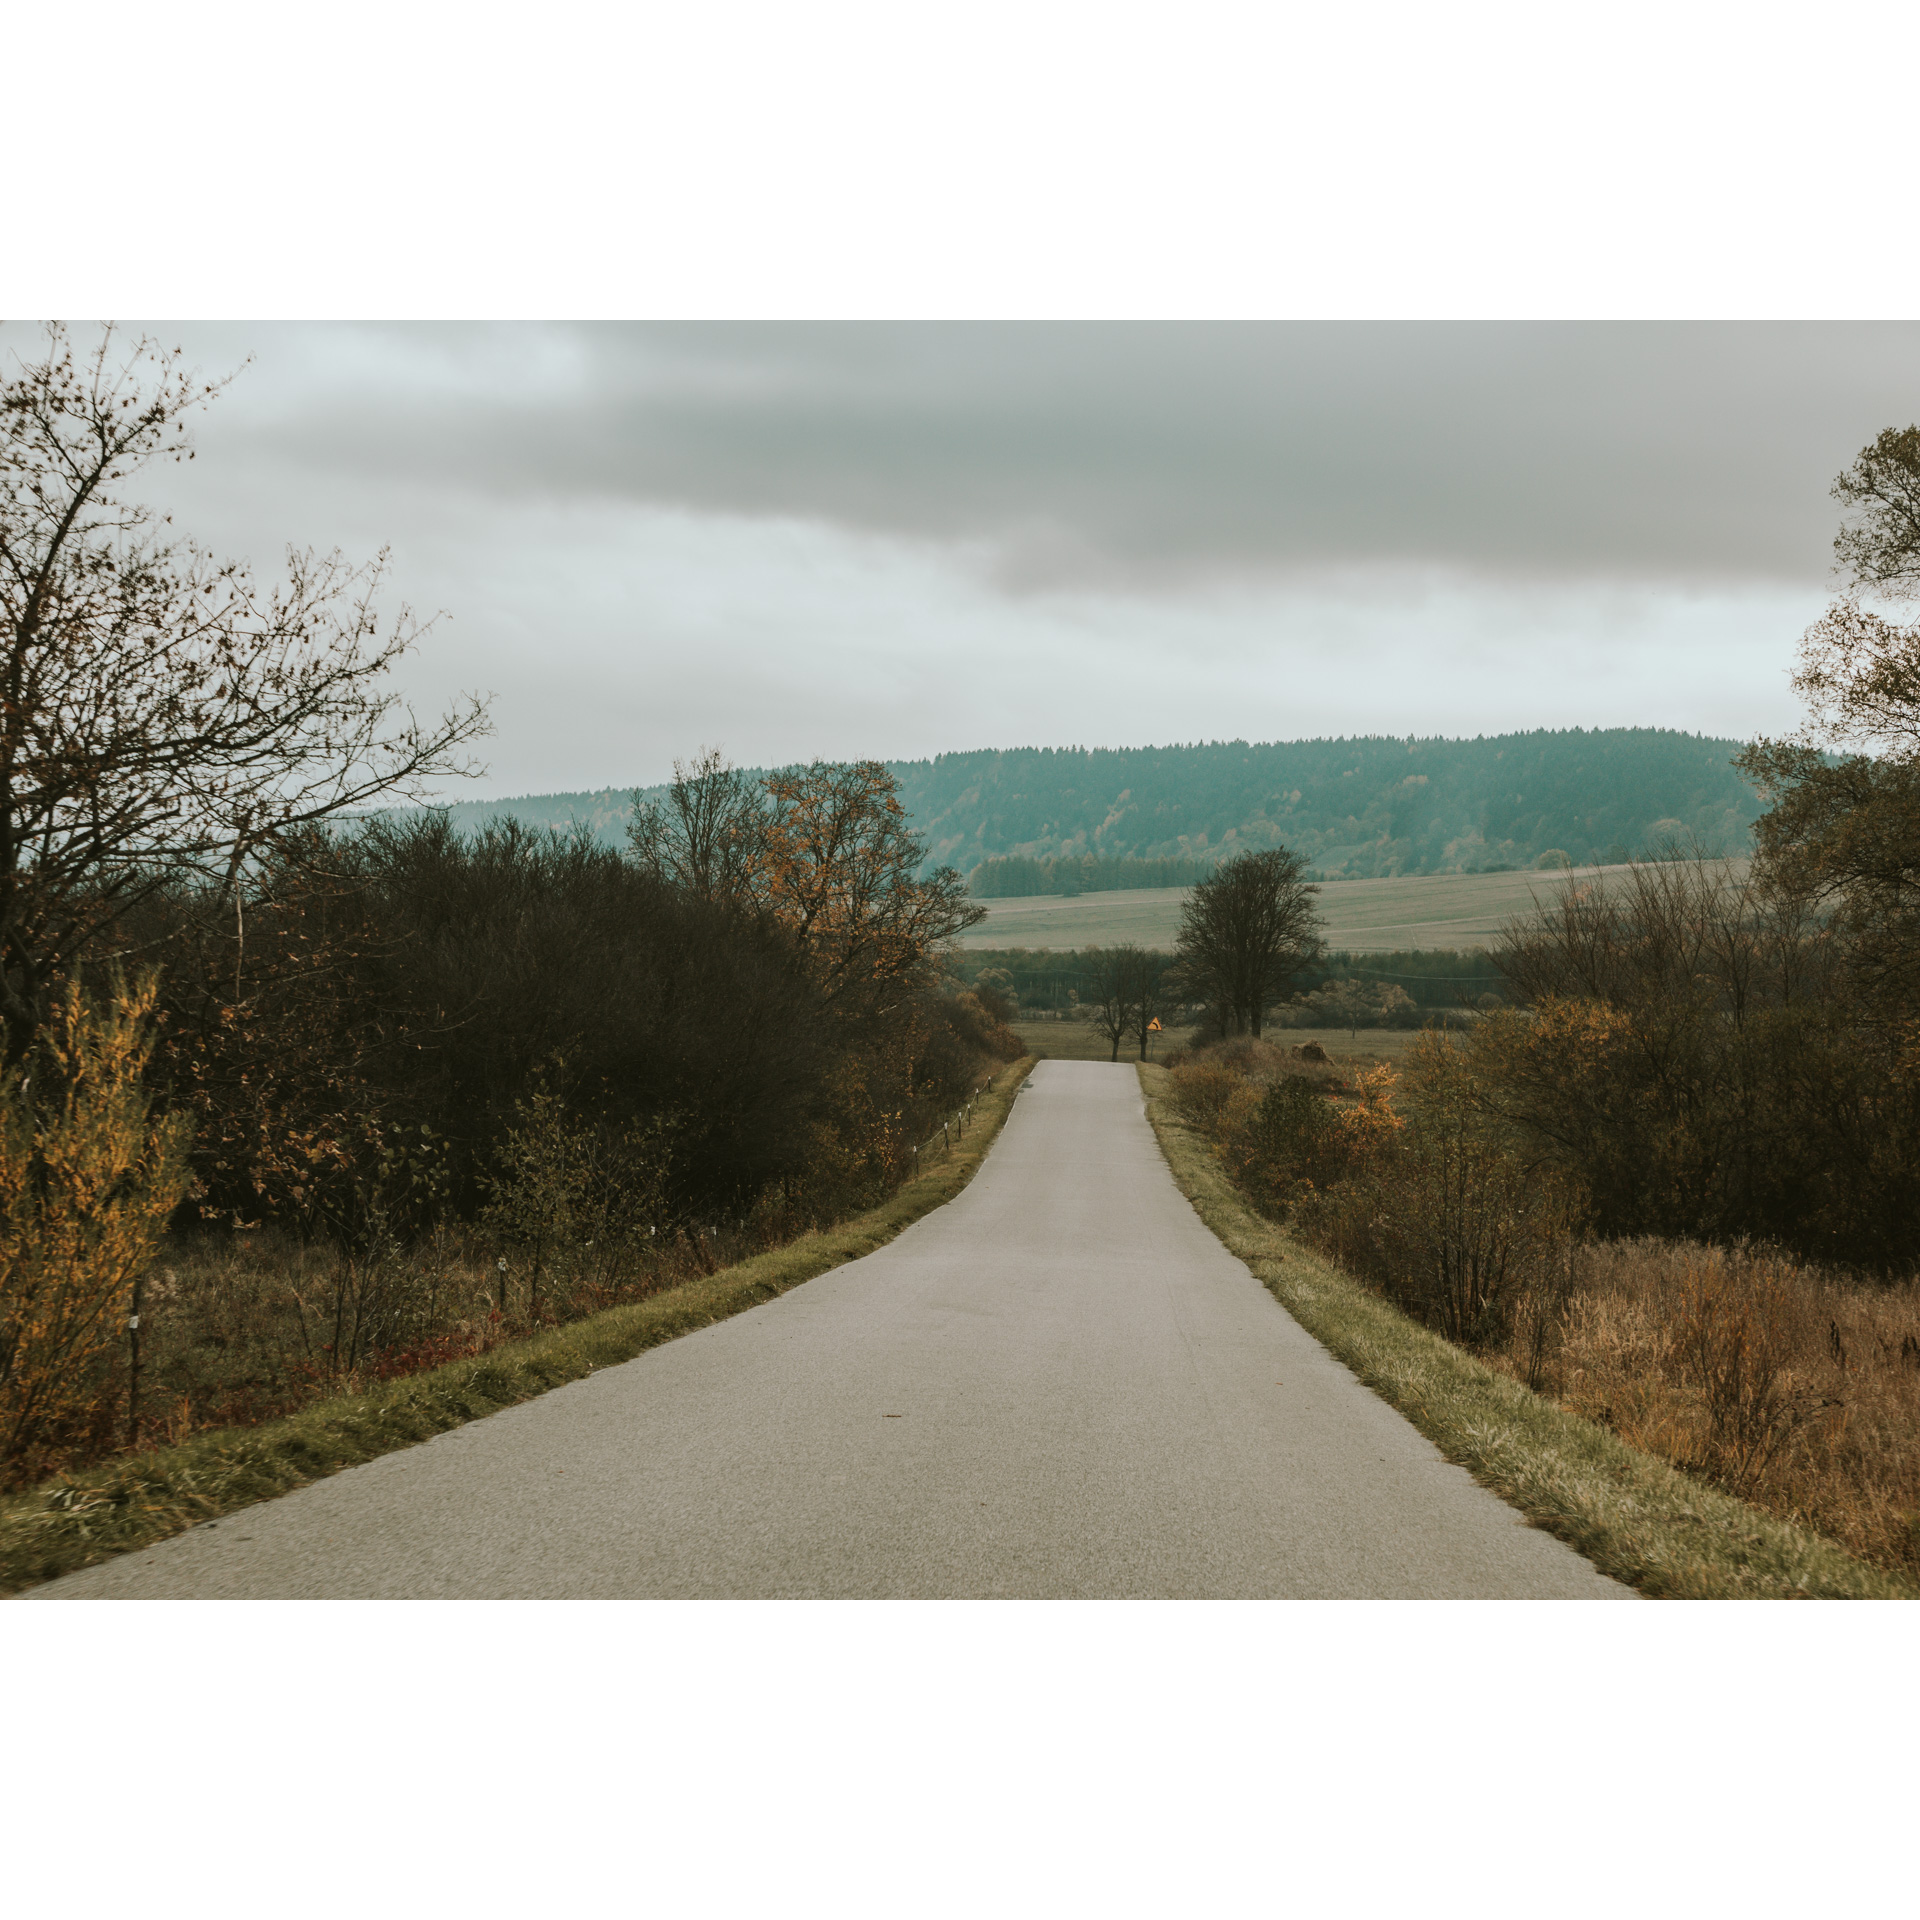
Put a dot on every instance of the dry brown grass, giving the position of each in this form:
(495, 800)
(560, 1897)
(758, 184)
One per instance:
(239, 1328)
(1795, 1388)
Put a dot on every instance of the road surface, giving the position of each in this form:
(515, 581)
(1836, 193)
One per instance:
(1059, 1385)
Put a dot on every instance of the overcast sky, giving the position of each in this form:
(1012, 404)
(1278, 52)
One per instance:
(897, 540)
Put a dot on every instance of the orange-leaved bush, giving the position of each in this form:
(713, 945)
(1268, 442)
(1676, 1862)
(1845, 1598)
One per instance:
(88, 1178)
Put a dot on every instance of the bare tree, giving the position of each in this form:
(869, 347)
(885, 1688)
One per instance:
(711, 835)
(161, 716)
(1150, 996)
(1847, 833)
(1112, 977)
(1127, 989)
(1245, 932)
(1878, 549)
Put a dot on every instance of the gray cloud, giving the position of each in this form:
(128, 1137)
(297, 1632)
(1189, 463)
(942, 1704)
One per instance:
(1113, 456)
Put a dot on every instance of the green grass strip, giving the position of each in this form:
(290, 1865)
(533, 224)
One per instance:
(77, 1519)
(1635, 1517)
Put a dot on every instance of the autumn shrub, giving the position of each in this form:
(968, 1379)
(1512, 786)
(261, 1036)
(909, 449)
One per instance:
(1252, 1057)
(1291, 1139)
(1438, 1209)
(1207, 1089)
(88, 1178)
(1296, 1140)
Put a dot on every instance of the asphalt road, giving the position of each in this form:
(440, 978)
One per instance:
(1059, 1385)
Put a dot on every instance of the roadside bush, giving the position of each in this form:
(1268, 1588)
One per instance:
(1408, 1184)
(1291, 1140)
(573, 1200)
(1298, 1141)
(1208, 1089)
(1439, 1211)
(1257, 1059)
(87, 1181)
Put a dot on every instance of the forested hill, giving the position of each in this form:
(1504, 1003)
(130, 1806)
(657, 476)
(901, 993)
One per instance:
(1373, 805)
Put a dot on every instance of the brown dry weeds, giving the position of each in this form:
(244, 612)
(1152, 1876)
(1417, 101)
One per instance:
(1797, 1389)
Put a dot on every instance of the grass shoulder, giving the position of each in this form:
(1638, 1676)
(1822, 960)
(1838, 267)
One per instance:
(1638, 1519)
(79, 1519)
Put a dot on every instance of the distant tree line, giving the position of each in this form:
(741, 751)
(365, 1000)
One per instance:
(1433, 979)
(1351, 808)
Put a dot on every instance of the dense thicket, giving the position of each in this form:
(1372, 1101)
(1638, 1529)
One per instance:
(409, 977)
(1698, 1057)
(470, 1084)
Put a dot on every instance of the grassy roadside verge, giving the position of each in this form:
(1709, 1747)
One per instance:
(78, 1519)
(1636, 1518)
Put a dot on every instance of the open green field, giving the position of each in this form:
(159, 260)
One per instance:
(1457, 910)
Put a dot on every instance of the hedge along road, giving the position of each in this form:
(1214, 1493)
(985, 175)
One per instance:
(1058, 1385)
